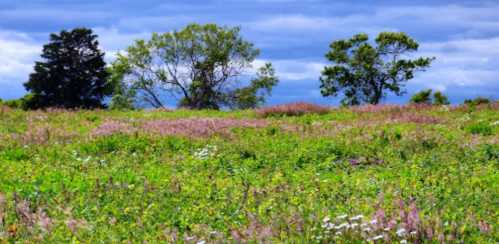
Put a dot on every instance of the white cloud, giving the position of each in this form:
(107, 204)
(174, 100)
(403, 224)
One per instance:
(17, 55)
(112, 40)
(466, 63)
(294, 70)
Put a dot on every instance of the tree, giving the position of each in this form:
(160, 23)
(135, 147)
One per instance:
(423, 97)
(478, 101)
(199, 65)
(72, 74)
(123, 97)
(440, 99)
(365, 73)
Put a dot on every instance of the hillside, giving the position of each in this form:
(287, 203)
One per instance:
(388, 173)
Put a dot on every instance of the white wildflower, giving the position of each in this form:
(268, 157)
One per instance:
(201, 242)
(377, 237)
(403, 242)
(401, 232)
(386, 229)
(413, 233)
(341, 226)
(326, 219)
(354, 225)
(344, 216)
(367, 229)
(358, 217)
(205, 152)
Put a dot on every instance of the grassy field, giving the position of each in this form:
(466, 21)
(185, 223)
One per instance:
(374, 173)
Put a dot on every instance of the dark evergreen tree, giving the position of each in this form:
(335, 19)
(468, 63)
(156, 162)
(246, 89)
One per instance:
(72, 73)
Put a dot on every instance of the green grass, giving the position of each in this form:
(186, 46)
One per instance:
(274, 184)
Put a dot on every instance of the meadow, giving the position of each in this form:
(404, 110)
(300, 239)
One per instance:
(391, 174)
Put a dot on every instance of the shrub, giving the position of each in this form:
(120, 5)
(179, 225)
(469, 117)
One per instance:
(480, 128)
(292, 109)
(477, 101)
(20, 103)
(440, 99)
(422, 97)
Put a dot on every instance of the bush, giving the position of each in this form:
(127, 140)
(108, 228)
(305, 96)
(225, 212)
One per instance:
(477, 101)
(422, 97)
(292, 109)
(20, 103)
(440, 99)
(481, 128)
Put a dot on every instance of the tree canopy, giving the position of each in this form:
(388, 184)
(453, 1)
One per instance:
(72, 73)
(424, 97)
(365, 73)
(200, 65)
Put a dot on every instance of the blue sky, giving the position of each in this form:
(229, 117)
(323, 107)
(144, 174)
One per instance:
(293, 35)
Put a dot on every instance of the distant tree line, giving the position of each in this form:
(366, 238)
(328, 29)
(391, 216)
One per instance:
(209, 67)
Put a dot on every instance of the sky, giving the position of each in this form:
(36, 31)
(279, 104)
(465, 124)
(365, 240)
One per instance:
(462, 35)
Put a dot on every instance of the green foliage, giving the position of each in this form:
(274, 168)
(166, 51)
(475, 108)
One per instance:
(365, 73)
(440, 99)
(477, 101)
(200, 63)
(123, 96)
(253, 96)
(60, 182)
(72, 73)
(424, 97)
(481, 128)
(21, 103)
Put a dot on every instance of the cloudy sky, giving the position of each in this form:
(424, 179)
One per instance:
(294, 35)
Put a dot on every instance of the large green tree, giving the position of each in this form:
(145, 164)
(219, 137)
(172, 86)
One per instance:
(201, 65)
(365, 72)
(72, 73)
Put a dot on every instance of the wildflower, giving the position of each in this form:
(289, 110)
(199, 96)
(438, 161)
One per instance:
(373, 222)
(401, 232)
(483, 226)
(354, 225)
(413, 233)
(201, 242)
(326, 219)
(375, 238)
(358, 217)
(403, 242)
(344, 216)
(205, 152)
(367, 229)
(341, 226)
